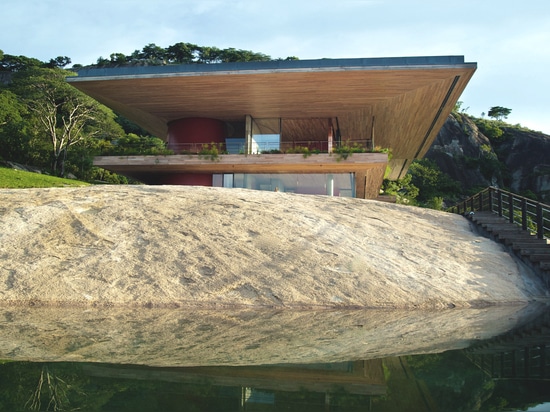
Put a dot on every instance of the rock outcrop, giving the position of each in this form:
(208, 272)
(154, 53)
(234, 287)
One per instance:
(181, 246)
(185, 276)
(519, 160)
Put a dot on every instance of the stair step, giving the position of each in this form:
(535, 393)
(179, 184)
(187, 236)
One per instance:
(544, 257)
(530, 243)
(524, 248)
(522, 239)
(507, 229)
(535, 252)
(523, 242)
(490, 220)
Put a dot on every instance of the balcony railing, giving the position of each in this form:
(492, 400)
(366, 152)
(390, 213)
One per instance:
(266, 147)
(529, 214)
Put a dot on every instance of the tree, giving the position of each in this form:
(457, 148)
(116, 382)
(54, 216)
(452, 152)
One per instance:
(209, 55)
(432, 182)
(132, 144)
(499, 112)
(13, 139)
(59, 62)
(18, 63)
(181, 53)
(153, 54)
(118, 58)
(403, 190)
(64, 114)
(458, 107)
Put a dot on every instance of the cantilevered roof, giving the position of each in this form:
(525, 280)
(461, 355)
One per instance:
(401, 101)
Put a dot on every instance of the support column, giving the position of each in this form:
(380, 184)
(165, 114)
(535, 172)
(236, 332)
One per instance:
(369, 182)
(330, 184)
(330, 135)
(248, 135)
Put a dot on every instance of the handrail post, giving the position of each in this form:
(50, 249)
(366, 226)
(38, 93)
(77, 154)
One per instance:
(540, 222)
(511, 207)
(481, 202)
(472, 204)
(491, 199)
(499, 202)
(524, 214)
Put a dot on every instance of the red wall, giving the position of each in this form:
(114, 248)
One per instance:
(188, 136)
(186, 179)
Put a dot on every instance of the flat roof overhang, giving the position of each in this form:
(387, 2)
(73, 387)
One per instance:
(402, 101)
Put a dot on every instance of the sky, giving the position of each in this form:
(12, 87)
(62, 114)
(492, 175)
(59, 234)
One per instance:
(509, 40)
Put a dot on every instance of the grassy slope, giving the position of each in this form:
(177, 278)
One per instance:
(17, 179)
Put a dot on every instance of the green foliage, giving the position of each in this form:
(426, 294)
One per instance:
(132, 144)
(404, 191)
(15, 64)
(182, 53)
(346, 149)
(59, 62)
(15, 137)
(435, 203)
(98, 175)
(49, 124)
(130, 127)
(458, 107)
(211, 151)
(304, 150)
(488, 164)
(499, 112)
(489, 128)
(18, 179)
(432, 183)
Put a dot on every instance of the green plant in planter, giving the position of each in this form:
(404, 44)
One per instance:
(344, 150)
(211, 151)
(304, 150)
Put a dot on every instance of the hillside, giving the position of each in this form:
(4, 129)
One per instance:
(518, 160)
(14, 176)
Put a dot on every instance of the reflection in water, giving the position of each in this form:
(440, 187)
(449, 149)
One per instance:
(436, 382)
(510, 371)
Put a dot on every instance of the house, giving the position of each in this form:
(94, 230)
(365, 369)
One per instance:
(304, 126)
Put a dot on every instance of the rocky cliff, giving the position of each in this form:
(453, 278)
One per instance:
(518, 160)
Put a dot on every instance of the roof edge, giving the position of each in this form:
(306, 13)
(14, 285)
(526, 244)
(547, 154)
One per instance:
(376, 63)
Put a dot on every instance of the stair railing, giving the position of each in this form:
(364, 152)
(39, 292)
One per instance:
(529, 214)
